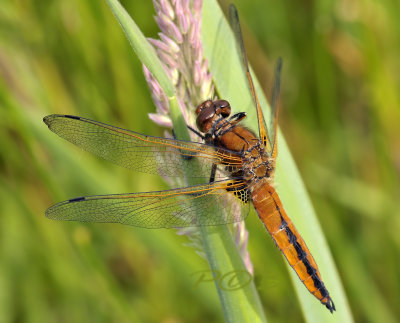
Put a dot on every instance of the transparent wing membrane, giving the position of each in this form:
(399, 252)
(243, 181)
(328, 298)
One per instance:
(235, 25)
(272, 130)
(138, 152)
(191, 206)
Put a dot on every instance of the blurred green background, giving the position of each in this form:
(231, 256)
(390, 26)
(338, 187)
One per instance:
(340, 115)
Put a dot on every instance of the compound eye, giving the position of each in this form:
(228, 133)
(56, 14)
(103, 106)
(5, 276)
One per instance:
(199, 108)
(205, 117)
(203, 105)
(223, 108)
(204, 122)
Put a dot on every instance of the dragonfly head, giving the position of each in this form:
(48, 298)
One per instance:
(209, 111)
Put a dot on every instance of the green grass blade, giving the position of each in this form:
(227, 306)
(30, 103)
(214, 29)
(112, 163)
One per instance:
(141, 46)
(149, 58)
(243, 304)
(218, 44)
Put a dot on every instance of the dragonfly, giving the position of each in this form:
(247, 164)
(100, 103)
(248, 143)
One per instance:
(235, 164)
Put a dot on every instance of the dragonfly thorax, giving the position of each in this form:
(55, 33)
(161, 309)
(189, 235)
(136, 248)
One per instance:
(224, 131)
(257, 164)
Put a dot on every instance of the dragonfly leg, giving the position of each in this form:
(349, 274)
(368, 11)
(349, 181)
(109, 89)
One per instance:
(213, 170)
(196, 132)
(237, 117)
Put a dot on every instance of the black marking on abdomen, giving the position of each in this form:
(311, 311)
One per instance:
(302, 255)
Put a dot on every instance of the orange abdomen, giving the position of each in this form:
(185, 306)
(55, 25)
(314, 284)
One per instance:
(270, 210)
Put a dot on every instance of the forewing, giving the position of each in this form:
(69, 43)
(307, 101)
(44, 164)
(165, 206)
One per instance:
(191, 206)
(138, 152)
(273, 129)
(235, 25)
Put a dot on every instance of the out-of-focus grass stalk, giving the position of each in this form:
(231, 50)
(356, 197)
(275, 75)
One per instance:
(241, 305)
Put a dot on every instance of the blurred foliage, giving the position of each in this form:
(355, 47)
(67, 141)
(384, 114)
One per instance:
(340, 116)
